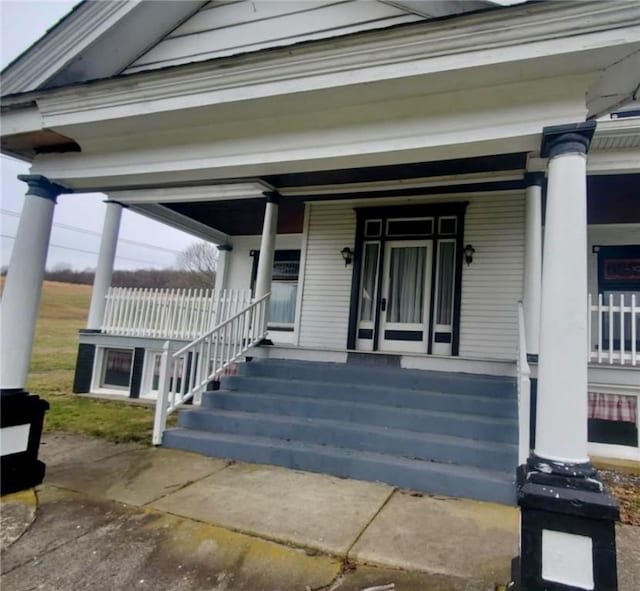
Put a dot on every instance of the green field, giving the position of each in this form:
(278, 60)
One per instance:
(63, 311)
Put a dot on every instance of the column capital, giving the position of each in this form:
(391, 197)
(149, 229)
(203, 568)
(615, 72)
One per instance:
(562, 139)
(272, 197)
(534, 178)
(41, 186)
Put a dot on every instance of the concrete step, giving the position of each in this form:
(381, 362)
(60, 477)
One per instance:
(375, 394)
(436, 478)
(482, 428)
(394, 442)
(352, 373)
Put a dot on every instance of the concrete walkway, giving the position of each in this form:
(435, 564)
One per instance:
(129, 517)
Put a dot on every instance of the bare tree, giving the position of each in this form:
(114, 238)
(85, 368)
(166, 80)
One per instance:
(200, 259)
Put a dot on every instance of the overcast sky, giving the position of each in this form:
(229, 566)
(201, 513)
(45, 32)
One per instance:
(78, 219)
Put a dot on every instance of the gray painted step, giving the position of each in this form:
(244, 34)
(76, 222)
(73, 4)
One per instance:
(447, 423)
(351, 373)
(395, 442)
(445, 479)
(374, 394)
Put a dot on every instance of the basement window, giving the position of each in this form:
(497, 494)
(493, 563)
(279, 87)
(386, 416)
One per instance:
(116, 368)
(613, 419)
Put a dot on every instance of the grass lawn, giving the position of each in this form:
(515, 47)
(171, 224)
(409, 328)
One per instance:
(63, 311)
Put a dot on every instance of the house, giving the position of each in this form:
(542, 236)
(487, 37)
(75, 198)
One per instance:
(377, 176)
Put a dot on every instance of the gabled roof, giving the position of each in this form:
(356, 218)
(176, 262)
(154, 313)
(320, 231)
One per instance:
(100, 39)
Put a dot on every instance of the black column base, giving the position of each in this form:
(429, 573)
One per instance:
(565, 499)
(22, 469)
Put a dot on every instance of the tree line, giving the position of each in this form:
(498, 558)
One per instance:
(146, 278)
(196, 270)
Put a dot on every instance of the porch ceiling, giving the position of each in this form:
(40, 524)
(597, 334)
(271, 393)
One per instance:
(245, 217)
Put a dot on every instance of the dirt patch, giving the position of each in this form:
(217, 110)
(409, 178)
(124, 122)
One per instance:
(626, 489)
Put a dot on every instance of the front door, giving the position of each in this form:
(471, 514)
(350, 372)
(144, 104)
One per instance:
(405, 296)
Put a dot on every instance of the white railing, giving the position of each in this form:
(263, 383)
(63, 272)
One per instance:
(613, 330)
(524, 390)
(182, 314)
(185, 374)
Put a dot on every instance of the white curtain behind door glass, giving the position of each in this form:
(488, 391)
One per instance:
(406, 284)
(446, 266)
(368, 281)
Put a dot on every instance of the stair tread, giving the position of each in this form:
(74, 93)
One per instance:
(440, 467)
(377, 388)
(349, 369)
(425, 437)
(490, 420)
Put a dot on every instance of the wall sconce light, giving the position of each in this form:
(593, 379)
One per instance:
(347, 255)
(468, 254)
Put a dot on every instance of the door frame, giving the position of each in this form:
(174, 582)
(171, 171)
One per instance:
(436, 211)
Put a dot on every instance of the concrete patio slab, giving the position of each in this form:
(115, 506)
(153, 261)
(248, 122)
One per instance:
(308, 510)
(134, 475)
(118, 547)
(17, 512)
(455, 537)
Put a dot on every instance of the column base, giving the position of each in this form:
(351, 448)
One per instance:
(21, 421)
(567, 534)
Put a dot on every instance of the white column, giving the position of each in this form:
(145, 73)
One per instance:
(104, 269)
(267, 245)
(561, 424)
(533, 261)
(222, 266)
(23, 284)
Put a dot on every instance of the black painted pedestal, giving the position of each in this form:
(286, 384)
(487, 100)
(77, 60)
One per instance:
(571, 504)
(22, 469)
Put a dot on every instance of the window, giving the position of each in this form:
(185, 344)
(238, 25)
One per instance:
(618, 281)
(445, 282)
(410, 227)
(369, 281)
(116, 368)
(613, 419)
(284, 288)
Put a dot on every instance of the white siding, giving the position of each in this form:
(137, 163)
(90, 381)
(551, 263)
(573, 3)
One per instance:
(327, 282)
(227, 28)
(492, 284)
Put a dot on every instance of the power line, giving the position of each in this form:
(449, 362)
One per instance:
(88, 251)
(93, 233)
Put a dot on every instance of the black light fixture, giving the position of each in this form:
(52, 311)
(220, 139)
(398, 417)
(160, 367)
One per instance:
(468, 254)
(347, 255)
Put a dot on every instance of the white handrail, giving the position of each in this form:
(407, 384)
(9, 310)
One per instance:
(185, 374)
(524, 390)
(613, 330)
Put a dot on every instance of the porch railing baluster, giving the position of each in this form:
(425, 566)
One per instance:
(229, 346)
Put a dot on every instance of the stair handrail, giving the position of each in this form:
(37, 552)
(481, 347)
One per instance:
(524, 390)
(184, 374)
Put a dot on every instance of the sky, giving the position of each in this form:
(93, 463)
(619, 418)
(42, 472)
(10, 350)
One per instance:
(78, 218)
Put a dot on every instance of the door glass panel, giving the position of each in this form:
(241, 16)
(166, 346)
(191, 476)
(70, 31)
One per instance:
(446, 252)
(406, 284)
(369, 281)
